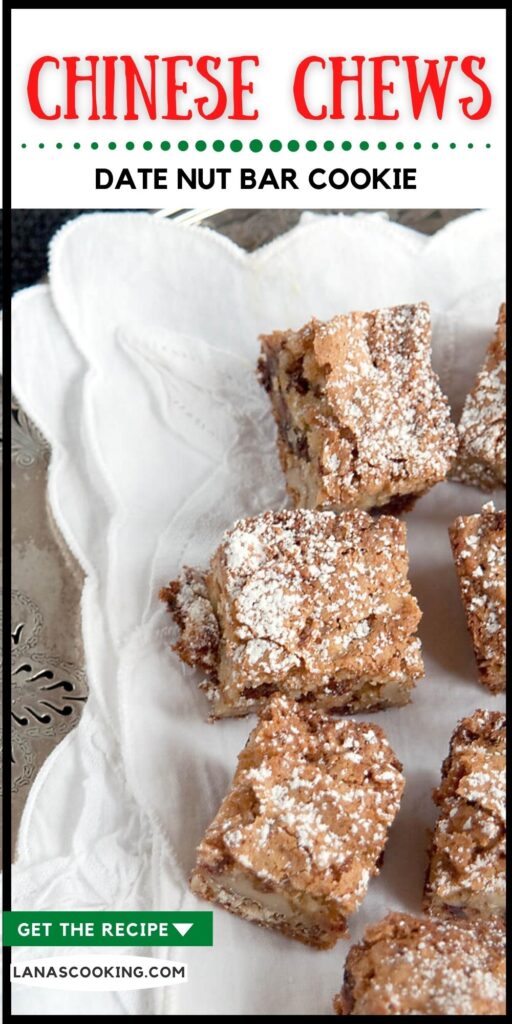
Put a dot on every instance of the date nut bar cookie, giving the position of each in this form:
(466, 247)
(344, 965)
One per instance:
(407, 967)
(362, 422)
(310, 604)
(481, 459)
(479, 551)
(466, 875)
(304, 825)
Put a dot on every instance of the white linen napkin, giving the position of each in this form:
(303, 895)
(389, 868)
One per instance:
(137, 363)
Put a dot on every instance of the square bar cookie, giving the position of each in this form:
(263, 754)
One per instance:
(362, 422)
(466, 875)
(314, 605)
(406, 966)
(481, 459)
(479, 551)
(304, 825)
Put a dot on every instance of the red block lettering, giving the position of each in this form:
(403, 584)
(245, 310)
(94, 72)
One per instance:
(431, 83)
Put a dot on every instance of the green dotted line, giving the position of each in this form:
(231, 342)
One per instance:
(256, 145)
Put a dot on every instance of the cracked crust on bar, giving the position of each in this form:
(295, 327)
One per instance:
(479, 551)
(303, 828)
(311, 604)
(406, 966)
(466, 875)
(481, 459)
(362, 421)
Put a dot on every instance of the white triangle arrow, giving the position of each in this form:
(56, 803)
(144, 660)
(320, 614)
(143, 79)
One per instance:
(182, 928)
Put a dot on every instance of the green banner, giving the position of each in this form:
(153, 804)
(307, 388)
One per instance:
(101, 928)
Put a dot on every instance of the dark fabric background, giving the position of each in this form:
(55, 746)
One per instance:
(31, 232)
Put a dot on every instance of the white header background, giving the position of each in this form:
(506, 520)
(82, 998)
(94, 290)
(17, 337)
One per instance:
(459, 177)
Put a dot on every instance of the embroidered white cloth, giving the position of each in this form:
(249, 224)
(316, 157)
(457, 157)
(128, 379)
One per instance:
(137, 362)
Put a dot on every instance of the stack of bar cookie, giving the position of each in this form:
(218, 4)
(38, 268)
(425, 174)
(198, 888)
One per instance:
(307, 612)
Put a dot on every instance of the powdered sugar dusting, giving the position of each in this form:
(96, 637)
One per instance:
(411, 967)
(479, 548)
(310, 807)
(361, 415)
(468, 852)
(482, 428)
(319, 599)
